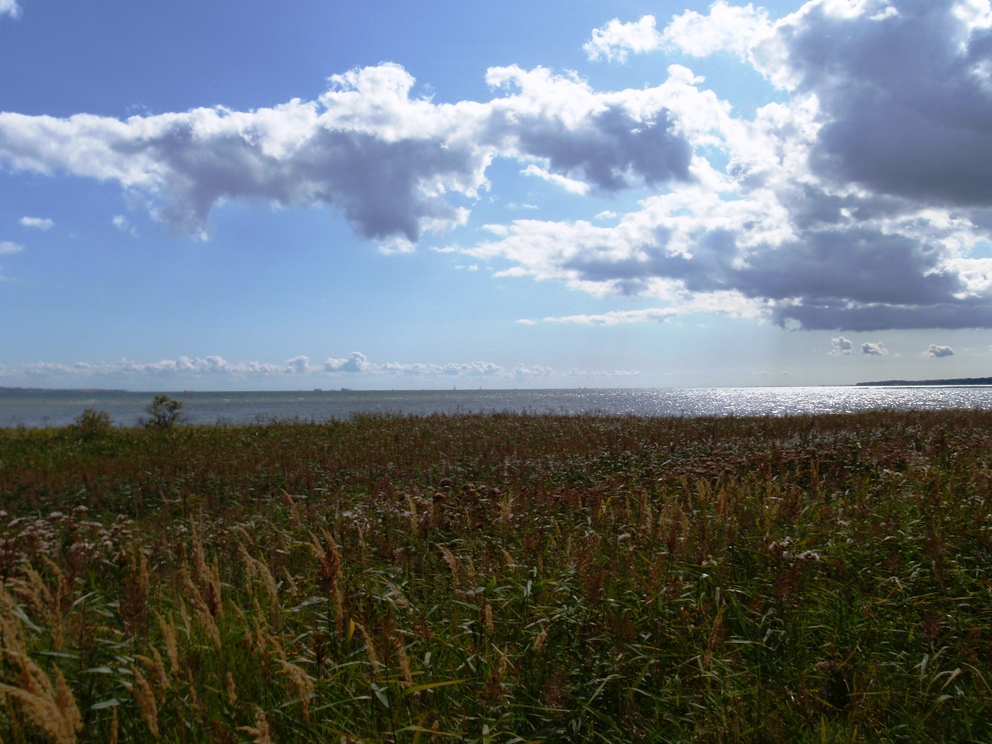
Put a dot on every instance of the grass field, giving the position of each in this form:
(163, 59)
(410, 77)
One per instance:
(500, 578)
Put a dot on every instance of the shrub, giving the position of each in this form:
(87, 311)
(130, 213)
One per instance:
(92, 423)
(165, 412)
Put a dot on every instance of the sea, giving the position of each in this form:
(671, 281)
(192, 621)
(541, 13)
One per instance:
(35, 408)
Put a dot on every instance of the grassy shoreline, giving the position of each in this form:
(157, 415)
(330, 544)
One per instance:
(497, 578)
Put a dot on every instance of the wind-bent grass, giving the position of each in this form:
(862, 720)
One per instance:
(500, 578)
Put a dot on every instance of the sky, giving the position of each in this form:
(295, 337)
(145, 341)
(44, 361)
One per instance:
(220, 195)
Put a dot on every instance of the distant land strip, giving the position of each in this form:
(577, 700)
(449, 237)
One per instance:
(956, 381)
(23, 391)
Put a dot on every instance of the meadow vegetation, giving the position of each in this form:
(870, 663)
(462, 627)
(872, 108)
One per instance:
(499, 578)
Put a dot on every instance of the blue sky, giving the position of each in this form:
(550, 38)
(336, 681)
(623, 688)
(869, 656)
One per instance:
(221, 195)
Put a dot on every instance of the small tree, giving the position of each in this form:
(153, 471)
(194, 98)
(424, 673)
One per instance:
(92, 424)
(165, 412)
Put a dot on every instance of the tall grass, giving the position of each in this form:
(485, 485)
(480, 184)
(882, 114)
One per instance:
(500, 578)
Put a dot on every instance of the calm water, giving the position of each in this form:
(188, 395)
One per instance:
(37, 408)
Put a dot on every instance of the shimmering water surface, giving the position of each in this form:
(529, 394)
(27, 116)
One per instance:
(37, 408)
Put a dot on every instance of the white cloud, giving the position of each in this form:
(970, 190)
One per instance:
(608, 140)
(355, 365)
(121, 223)
(388, 161)
(211, 365)
(569, 184)
(841, 345)
(726, 28)
(853, 206)
(496, 229)
(470, 369)
(606, 214)
(9, 7)
(37, 222)
(938, 352)
(522, 372)
(6, 247)
(526, 321)
(874, 348)
(511, 272)
(615, 40)
(299, 365)
(396, 245)
(616, 317)
(654, 252)
(358, 363)
(598, 373)
(354, 362)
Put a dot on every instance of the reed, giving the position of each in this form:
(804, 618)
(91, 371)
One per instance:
(500, 578)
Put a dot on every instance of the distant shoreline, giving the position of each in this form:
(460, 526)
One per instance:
(23, 392)
(935, 383)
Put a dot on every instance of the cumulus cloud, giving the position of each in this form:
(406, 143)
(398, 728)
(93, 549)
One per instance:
(299, 365)
(386, 159)
(852, 206)
(874, 348)
(354, 365)
(905, 97)
(616, 40)
(37, 222)
(938, 352)
(612, 140)
(354, 362)
(6, 247)
(9, 7)
(523, 372)
(841, 345)
(211, 365)
(726, 28)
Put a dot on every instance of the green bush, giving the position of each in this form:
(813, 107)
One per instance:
(165, 412)
(93, 424)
